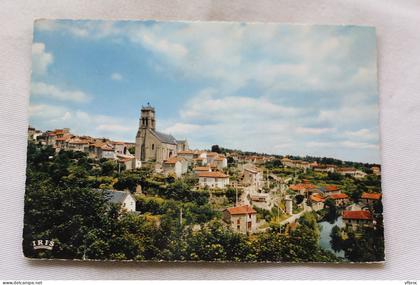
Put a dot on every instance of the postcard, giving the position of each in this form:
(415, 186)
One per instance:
(203, 141)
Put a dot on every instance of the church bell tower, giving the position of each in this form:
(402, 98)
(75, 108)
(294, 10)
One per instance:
(147, 118)
(147, 122)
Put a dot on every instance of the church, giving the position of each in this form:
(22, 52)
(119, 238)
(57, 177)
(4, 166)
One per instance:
(152, 145)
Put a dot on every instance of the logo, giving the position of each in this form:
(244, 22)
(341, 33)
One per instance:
(43, 244)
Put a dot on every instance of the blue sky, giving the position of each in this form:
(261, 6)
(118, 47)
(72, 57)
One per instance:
(275, 88)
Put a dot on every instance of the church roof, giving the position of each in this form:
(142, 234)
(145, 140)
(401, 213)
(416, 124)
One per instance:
(165, 138)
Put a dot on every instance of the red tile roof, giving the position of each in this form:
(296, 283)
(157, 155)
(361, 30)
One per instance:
(241, 210)
(214, 174)
(302, 186)
(107, 148)
(345, 169)
(202, 168)
(357, 215)
(317, 198)
(331, 188)
(186, 152)
(220, 158)
(371, 196)
(173, 160)
(339, 196)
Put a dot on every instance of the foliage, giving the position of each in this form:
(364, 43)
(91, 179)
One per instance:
(60, 204)
(215, 148)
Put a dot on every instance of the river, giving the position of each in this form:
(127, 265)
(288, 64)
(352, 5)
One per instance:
(325, 238)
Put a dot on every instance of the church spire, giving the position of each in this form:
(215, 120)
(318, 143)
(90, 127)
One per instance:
(147, 118)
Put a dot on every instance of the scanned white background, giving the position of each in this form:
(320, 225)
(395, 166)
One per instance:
(398, 33)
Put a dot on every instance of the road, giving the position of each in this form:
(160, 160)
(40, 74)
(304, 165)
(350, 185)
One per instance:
(294, 217)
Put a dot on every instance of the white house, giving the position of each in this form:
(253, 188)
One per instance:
(201, 169)
(107, 151)
(347, 171)
(220, 162)
(212, 179)
(329, 168)
(242, 219)
(187, 154)
(78, 144)
(124, 198)
(175, 165)
(120, 147)
(211, 156)
(252, 177)
(358, 174)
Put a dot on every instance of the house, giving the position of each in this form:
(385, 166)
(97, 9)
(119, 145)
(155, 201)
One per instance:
(252, 177)
(120, 147)
(201, 169)
(78, 144)
(259, 197)
(303, 188)
(295, 163)
(327, 168)
(129, 161)
(330, 190)
(220, 162)
(317, 202)
(287, 162)
(212, 179)
(211, 156)
(347, 171)
(302, 164)
(200, 161)
(175, 165)
(339, 199)
(181, 145)
(187, 154)
(370, 198)
(357, 219)
(376, 170)
(358, 174)
(107, 151)
(241, 219)
(124, 198)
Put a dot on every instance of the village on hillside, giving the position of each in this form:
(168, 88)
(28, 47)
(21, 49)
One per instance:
(253, 193)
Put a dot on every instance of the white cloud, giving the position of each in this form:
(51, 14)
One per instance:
(314, 131)
(359, 145)
(114, 128)
(50, 91)
(45, 116)
(47, 111)
(40, 58)
(116, 76)
(182, 129)
(364, 134)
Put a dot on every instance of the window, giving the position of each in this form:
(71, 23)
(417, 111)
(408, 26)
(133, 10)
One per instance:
(238, 227)
(238, 221)
(153, 146)
(249, 216)
(249, 225)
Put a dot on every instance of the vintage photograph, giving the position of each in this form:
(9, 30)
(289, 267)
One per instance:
(203, 141)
